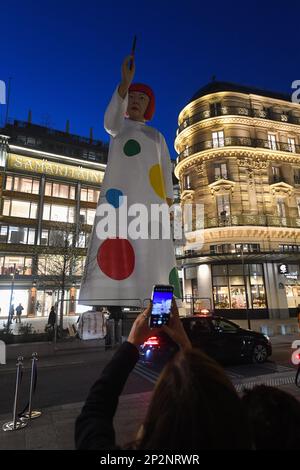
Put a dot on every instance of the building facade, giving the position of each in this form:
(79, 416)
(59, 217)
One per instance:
(239, 157)
(50, 183)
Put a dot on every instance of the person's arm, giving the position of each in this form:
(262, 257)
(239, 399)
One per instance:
(115, 112)
(94, 426)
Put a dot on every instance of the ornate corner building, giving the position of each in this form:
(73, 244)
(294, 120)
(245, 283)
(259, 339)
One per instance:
(49, 186)
(239, 157)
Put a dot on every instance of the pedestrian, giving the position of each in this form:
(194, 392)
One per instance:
(11, 313)
(52, 317)
(194, 405)
(19, 310)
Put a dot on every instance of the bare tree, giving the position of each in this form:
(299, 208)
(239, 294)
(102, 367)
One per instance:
(62, 260)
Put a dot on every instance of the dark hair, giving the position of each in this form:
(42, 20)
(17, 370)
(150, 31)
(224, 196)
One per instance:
(194, 406)
(274, 418)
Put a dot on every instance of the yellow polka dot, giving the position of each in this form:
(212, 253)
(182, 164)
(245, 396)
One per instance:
(157, 180)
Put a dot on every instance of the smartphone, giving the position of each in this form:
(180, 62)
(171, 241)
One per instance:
(162, 296)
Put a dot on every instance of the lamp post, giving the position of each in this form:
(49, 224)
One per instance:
(246, 288)
(11, 296)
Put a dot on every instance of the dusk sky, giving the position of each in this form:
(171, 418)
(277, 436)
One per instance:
(65, 56)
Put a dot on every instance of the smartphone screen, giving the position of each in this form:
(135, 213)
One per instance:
(161, 305)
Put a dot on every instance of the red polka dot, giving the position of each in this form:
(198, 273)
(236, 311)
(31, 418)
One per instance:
(116, 258)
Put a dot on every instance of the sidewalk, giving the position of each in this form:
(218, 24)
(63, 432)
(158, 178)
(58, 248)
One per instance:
(54, 430)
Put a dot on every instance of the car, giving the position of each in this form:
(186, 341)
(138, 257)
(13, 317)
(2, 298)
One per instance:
(221, 339)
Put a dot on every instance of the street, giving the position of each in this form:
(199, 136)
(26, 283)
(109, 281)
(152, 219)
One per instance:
(67, 377)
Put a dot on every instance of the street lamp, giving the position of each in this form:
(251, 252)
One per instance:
(246, 288)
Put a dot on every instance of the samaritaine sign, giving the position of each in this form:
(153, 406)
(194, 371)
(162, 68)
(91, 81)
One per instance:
(18, 162)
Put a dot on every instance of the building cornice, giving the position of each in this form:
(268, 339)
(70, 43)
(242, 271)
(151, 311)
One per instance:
(257, 154)
(191, 131)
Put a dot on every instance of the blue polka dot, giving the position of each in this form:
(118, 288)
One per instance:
(114, 197)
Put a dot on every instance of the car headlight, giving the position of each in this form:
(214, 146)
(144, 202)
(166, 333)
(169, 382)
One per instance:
(267, 337)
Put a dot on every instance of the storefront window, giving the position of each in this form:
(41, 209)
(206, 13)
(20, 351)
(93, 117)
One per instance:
(230, 283)
(238, 297)
(221, 297)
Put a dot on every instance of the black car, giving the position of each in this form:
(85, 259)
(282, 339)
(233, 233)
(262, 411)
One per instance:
(218, 337)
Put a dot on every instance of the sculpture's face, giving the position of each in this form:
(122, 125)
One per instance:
(137, 105)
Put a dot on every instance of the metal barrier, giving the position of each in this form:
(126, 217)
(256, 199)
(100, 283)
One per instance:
(16, 423)
(31, 414)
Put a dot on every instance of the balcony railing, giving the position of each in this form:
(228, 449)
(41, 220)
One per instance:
(252, 220)
(236, 142)
(238, 111)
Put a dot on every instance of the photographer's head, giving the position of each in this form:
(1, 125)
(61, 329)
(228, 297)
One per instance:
(194, 406)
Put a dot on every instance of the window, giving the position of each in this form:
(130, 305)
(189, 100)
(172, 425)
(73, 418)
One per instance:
(58, 213)
(220, 171)
(187, 182)
(89, 195)
(24, 185)
(83, 240)
(223, 208)
(272, 141)
(218, 139)
(223, 325)
(297, 175)
(230, 283)
(16, 208)
(291, 144)
(276, 173)
(281, 210)
(53, 189)
(87, 216)
(215, 109)
(3, 233)
(21, 265)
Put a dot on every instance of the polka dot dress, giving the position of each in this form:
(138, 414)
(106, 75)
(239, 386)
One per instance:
(122, 269)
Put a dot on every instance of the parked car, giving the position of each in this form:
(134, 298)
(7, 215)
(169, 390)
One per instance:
(218, 337)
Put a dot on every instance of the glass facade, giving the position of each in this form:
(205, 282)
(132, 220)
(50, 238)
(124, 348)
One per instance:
(235, 285)
(89, 195)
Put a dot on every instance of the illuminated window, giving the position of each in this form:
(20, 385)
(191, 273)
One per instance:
(65, 191)
(21, 265)
(87, 216)
(23, 209)
(90, 195)
(291, 144)
(272, 141)
(218, 139)
(58, 213)
(23, 185)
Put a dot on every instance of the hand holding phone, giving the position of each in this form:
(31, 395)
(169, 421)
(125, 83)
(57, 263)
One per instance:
(162, 296)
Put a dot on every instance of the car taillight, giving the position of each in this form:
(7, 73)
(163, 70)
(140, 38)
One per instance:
(204, 311)
(153, 341)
